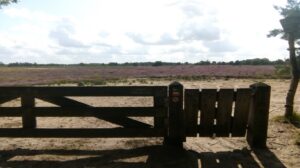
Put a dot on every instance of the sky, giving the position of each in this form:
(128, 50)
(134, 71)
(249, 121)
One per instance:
(102, 31)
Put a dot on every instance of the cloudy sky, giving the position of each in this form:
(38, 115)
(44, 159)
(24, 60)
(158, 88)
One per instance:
(101, 31)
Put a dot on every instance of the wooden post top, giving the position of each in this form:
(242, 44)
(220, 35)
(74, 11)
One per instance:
(260, 84)
(176, 83)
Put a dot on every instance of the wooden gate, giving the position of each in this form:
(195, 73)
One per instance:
(221, 113)
(228, 113)
(71, 108)
(178, 113)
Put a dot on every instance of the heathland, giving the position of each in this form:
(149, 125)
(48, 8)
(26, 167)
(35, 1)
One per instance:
(283, 146)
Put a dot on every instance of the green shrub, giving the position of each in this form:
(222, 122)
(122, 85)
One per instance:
(99, 82)
(80, 84)
(283, 70)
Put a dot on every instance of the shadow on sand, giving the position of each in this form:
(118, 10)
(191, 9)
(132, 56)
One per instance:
(153, 156)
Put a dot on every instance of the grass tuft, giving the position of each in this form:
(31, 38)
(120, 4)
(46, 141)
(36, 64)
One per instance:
(142, 81)
(91, 82)
(298, 139)
(280, 119)
(294, 119)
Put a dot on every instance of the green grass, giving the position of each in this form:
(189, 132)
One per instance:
(298, 139)
(61, 82)
(142, 81)
(92, 82)
(295, 119)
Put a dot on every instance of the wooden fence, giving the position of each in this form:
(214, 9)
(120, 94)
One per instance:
(72, 108)
(229, 113)
(178, 113)
(222, 113)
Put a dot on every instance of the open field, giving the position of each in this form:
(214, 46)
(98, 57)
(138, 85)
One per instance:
(139, 152)
(42, 75)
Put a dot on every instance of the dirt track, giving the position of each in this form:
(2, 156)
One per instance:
(127, 153)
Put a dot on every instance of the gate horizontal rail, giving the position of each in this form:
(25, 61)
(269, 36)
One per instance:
(81, 132)
(85, 91)
(84, 112)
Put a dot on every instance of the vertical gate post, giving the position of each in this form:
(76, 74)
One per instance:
(28, 118)
(258, 115)
(176, 130)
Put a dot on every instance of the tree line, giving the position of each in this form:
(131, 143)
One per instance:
(256, 61)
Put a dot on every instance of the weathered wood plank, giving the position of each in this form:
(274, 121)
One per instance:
(86, 91)
(241, 112)
(207, 111)
(80, 133)
(85, 112)
(28, 118)
(122, 121)
(159, 120)
(11, 111)
(191, 108)
(224, 109)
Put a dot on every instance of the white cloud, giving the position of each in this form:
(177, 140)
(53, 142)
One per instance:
(28, 14)
(63, 33)
(199, 29)
(220, 46)
(163, 39)
(136, 30)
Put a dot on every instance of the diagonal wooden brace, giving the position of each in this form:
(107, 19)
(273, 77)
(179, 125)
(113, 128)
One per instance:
(122, 121)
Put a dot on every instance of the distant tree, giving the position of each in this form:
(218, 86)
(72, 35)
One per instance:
(290, 11)
(7, 2)
(113, 64)
(157, 63)
(237, 62)
(207, 62)
(135, 64)
(278, 62)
